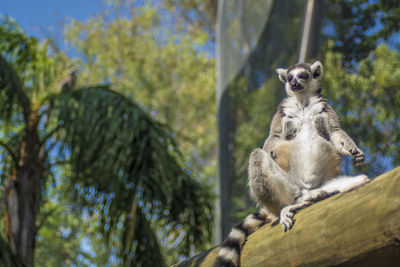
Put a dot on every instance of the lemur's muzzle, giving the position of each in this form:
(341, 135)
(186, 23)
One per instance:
(296, 86)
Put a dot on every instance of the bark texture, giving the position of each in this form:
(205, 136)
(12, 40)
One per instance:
(357, 228)
(23, 194)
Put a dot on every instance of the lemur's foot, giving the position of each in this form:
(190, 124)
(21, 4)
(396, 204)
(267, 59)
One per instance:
(316, 195)
(286, 219)
(363, 178)
(287, 214)
(358, 181)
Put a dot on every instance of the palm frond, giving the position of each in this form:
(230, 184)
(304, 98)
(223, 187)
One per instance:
(15, 45)
(144, 248)
(119, 154)
(13, 98)
(40, 66)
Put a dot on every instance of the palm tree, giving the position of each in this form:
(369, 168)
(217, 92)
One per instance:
(121, 159)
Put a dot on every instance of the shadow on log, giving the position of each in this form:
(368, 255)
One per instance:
(357, 228)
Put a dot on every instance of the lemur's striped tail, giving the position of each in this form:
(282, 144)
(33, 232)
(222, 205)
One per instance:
(229, 253)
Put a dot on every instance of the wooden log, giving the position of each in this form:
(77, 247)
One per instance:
(357, 228)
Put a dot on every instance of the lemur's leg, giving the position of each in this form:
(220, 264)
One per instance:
(270, 188)
(345, 183)
(332, 187)
(268, 183)
(337, 185)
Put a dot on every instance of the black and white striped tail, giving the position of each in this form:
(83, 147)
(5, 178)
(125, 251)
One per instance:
(229, 253)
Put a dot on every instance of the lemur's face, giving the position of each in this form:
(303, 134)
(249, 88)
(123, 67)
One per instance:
(298, 78)
(301, 77)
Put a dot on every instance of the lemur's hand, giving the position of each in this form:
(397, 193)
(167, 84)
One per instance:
(346, 146)
(358, 155)
(290, 130)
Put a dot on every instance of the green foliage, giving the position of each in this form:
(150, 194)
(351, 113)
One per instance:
(368, 104)
(40, 68)
(359, 25)
(68, 234)
(196, 17)
(61, 231)
(13, 44)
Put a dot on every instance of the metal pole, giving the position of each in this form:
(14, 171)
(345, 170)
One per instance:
(221, 118)
(311, 29)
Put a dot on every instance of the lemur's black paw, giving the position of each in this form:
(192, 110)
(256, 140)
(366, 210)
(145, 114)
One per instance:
(358, 156)
(291, 134)
(290, 130)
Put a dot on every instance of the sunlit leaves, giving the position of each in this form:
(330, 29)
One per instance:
(368, 104)
(173, 79)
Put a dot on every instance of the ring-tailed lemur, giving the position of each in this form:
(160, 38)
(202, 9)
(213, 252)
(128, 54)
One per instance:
(300, 161)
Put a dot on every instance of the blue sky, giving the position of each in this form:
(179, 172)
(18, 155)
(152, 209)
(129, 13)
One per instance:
(44, 18)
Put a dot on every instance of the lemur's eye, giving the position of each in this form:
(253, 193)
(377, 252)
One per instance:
(304, 75)
(290, 78)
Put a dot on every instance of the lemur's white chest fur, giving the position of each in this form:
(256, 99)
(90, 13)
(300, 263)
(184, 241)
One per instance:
(312, 159)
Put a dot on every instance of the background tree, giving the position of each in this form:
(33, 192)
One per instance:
(357, 26)
(368, 101)
(124, 165)
(144, 53)
(195, 17)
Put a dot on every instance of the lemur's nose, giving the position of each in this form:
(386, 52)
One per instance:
(295, 83)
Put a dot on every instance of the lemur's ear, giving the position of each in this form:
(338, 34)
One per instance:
(316, 70)
(282, 74)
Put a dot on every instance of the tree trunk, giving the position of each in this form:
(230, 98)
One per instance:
(358, 228)
(24, 194)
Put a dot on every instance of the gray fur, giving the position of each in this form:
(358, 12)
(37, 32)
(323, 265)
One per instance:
(299, 163)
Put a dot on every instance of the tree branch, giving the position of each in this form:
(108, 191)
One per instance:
(60, 162)
(49, 135)
(9, 151)
(358, 228)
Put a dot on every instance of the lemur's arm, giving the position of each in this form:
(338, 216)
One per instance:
(340, 140)
(274, 133)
